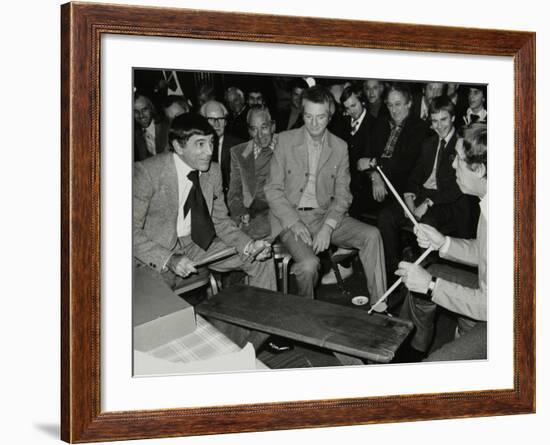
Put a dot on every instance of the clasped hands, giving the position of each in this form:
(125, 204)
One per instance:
(319, 243)
(257, 250)
(415, 277)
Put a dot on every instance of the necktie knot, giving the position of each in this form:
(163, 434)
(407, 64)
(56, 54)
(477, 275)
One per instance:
(193, 176)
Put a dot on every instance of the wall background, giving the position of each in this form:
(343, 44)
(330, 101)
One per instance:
(29, 182)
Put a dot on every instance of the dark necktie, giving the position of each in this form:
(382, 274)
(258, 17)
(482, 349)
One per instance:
(202, 228)
(474, 118)
(439, 155)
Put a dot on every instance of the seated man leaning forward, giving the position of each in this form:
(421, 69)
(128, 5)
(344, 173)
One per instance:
(249, 169)
(309, 196)
(180, 216)
(456, 290)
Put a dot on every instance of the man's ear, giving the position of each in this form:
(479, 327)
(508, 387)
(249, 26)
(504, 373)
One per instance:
(176, 145)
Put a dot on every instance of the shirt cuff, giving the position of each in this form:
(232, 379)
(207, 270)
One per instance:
(331, 223)
(164, 267)
(445, 247)
(409, 195)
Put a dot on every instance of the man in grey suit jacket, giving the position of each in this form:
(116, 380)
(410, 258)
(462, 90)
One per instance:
(308, 195)
(249, 170)
(163, 233)
(454, 289)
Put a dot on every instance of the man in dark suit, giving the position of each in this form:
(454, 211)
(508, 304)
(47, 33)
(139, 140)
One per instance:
(236, 124)
(216, 114)
(395, 147)
(431, 193)
(292, 117)
(150, 135)
(374, 93)
(358, 133)
(180, 216)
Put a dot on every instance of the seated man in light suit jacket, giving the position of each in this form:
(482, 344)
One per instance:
(309, 196)
(456, 290)
(249, 170)
(168, 237)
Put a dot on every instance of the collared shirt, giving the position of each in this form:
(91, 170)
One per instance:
(183, 225)
(149, 135)
(355, 124)
(431, 182)
(392, 139)
(481, 115)
(309, 197)
(257, 149)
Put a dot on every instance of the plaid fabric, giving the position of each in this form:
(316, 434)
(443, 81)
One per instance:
(392, 140)
(205, 342)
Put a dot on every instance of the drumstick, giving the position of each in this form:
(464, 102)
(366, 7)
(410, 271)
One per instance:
(216, 256)
(398, 282)
(399, 200)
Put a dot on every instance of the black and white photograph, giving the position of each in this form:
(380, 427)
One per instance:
(301, 221)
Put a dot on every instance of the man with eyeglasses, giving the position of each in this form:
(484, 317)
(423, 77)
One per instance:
(249, 170)
(216, 114)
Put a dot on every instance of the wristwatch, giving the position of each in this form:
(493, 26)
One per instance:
(431, 287)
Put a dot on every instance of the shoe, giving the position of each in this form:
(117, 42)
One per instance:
(277, 345)
(330, 277)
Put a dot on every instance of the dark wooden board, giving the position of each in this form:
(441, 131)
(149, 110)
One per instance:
(342, 329)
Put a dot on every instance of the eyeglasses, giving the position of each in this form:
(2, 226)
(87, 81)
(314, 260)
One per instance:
(215, 120)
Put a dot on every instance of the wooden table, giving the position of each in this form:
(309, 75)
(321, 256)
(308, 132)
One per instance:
(338, 328)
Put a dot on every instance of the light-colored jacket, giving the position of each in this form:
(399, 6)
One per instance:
(461, 299)
(155, 209)
(288, 178)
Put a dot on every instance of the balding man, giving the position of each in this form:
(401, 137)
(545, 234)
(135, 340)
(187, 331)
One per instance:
(235, 100)
(150, 134)
(216, 114)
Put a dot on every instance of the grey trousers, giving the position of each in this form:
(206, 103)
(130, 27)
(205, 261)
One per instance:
(350, 233)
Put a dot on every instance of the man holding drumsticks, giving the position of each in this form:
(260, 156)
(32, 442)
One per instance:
(457, 290)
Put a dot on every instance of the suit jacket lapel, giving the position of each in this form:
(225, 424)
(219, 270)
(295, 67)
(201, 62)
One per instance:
(300, 150)
(207, 189)
(248, 172)
(326, 151)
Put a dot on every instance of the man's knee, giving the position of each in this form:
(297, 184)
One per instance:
(308, 266)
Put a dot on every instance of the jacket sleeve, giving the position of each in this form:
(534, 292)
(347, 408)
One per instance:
(461, 299)
(416, 178)
(465, 251)
(235, 194)
(274, 189)
(226, 229)
(342, 195)
(145, 249)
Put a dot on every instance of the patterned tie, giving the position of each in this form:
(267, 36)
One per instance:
(354, 127)
(202, 228)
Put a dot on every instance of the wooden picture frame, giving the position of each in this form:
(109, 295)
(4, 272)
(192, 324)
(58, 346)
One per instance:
(82, 26)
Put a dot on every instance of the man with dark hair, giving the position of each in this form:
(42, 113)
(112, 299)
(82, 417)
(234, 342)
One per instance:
(431, 193)
(292, 117)
(174, 105)
(150, 133)
(374, 94)
(477, 104)
(308, 195)
(421, 103)
(180, 216)
(255, 98)
(454, 289)
(249, 170)
(358, 137)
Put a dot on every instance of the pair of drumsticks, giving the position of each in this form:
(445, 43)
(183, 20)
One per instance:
(413, 220)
